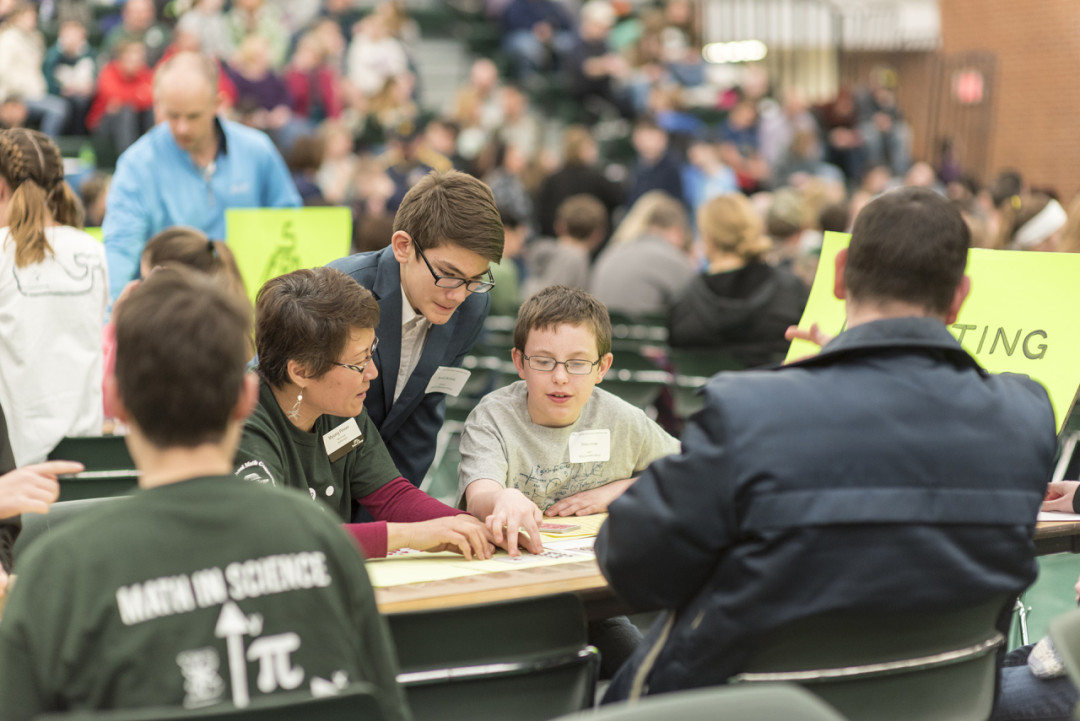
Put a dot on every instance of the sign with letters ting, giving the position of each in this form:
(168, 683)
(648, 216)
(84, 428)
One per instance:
(1018, 318)
(269, 242)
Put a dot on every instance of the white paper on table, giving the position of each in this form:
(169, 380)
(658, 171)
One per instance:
(1058, 516)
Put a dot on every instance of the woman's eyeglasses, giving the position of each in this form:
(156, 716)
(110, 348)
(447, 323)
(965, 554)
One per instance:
(360, 368)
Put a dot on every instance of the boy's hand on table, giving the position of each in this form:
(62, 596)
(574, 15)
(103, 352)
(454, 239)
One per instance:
(1059, 496)
(513, 511)
(586, 503)
(461, 534)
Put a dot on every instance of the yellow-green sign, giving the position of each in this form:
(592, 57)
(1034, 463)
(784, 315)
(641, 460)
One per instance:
(269, 242)
(1018, 317)
(95, 233)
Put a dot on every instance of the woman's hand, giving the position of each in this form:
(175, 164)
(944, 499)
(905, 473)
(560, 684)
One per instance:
(461, 534)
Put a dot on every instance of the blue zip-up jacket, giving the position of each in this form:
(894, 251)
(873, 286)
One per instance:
(158, 185)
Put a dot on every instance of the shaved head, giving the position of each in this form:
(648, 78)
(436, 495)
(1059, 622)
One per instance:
(186, 67)
(186, 97)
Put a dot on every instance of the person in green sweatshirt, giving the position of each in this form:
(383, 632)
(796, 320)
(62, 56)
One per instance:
(201, 589)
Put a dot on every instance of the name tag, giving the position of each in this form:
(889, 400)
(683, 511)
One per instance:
(590, 446)
(448, 380)
(342, 439)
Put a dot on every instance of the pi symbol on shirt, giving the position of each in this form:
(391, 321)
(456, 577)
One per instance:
(275, 666)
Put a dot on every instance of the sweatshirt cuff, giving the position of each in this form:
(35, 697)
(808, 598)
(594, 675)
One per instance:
(371, 537)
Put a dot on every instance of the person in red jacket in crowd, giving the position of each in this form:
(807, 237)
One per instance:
(123, 107)
(312, 82)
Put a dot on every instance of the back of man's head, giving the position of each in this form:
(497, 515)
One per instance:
(181, 340)
(581, 217)
(907, 245)
(667, 214)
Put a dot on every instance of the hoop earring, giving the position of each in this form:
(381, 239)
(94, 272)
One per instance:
(295, 412)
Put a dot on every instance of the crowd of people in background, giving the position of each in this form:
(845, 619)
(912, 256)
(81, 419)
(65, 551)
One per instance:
(335, 86)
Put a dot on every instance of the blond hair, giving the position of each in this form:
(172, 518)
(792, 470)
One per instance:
(728, 223)
(575, 140)
(31, 165)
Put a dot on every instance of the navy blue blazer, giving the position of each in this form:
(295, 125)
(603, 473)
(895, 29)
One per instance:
(890, 473)
(410, 426)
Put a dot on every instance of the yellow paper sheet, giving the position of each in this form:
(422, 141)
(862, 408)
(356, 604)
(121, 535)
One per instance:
(428, 567)
(419, 568)
(1017, 318)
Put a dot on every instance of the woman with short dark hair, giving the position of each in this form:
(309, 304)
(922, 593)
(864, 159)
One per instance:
(315, 334)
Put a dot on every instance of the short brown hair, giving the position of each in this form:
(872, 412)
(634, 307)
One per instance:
(307, 316)
(191, 247)
(180, 355)
(580, 216)
(455, 208)
(559, 304)
(910, 245)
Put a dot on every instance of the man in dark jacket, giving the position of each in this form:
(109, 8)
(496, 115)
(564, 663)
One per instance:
(658, 166)
(890, 473)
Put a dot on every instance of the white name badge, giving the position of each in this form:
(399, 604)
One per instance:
(590, 446)
(342, 439)
(448, 380)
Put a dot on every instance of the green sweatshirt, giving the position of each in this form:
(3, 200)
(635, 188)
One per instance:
(197, 593)
(275, 452)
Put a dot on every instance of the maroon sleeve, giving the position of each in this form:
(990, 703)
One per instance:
(397, 502)
(370, 536)
(401, 502)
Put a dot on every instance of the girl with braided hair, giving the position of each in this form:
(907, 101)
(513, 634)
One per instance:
(53, 297)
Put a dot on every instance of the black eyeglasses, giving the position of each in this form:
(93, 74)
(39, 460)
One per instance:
(360, 368)
(449, 281)
(573, 367)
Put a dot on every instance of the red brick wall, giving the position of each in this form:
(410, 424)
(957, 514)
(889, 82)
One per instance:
(1037, 110)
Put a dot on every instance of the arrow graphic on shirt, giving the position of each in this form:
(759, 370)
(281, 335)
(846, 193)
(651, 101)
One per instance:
(232, 624)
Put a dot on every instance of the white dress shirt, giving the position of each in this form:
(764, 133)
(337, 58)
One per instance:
(414, 330)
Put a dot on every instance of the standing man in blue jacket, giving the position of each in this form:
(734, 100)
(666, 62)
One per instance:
(888, 474)
(432, 285)
(189, 169)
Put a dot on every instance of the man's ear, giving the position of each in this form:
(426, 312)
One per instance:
(402, 245)
(249, 398)
(221, 103)
(605, 365)
(113, 399)
(839, 287)
(959, 296)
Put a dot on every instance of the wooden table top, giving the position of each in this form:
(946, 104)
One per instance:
(580, 576)
(1050, 529)
(584, 577)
